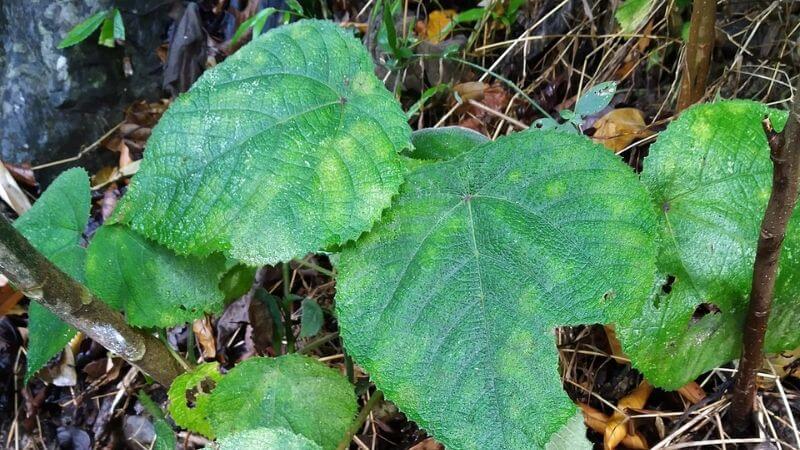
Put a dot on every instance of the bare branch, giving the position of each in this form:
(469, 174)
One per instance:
(786, 168)
(39, 279)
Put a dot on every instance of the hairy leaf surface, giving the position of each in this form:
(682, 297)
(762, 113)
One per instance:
(288, 146)
(480, 258)
(153, 285)
(268, 438)
(189, 398)
(293, 392)
(54, 226)
(444, 143)
(710, 177)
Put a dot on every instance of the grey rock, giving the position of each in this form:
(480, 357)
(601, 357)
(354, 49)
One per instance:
(138, 429)
(53, 101)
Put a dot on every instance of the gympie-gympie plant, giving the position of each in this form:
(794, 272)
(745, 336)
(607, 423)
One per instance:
(457, 256)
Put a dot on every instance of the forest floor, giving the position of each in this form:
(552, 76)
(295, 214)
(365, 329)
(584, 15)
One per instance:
(549, 51)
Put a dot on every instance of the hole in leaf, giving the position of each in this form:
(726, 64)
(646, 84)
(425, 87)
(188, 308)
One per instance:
(703, 310)
(191, 397)
(203, 388)
(665, 207)
(609, 295)
(208, 385)
(667, 286)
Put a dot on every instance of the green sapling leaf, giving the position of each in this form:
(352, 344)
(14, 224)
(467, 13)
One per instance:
(595, 99)
(83, 30)
(54, 226)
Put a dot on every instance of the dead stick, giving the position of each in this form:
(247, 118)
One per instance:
(697, 61)
(785, 155)
(40, 280)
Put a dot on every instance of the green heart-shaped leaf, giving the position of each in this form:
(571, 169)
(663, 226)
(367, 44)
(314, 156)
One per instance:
(480, 258)
(288, 146)
(154, 286)
(710, 176)
(54, 226)
(293, 392)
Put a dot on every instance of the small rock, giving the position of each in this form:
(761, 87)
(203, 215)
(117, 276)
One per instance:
(138, 429)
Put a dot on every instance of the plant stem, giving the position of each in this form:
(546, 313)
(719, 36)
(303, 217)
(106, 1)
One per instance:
(286, 306)
(191, 354)
(349, 369)
(40, 280)
(697, 61)
(508, 82)
(313, 345)
(376, 398)
(316, 267)
(785, 155)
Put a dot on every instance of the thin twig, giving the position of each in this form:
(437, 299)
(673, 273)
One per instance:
(785, 154)
(374, 400)
(83, 151)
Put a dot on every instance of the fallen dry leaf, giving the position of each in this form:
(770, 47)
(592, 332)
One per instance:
(8, 298)
(597, 421)
(22, 173)
(11, 193)
(619, 128)
(617, 425)
(495, 97)
(437, 24)
(205, 337)
(692, 392)
(471, 90)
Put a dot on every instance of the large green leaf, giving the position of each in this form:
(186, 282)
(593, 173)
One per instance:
(710, 178)
(294, 392)
(54, 226)
(267, 438)
(288, 146)
(451, 302)
(189, 397)
(154, 286)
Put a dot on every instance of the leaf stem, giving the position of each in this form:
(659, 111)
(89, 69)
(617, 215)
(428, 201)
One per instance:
(373, 401)
(191, 354)
(505, 80)
(162, 334)
(785, 154)
(286, 306)
(349, 369)
(316, 267)
(318, 342)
